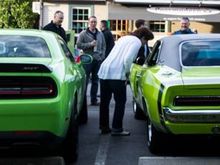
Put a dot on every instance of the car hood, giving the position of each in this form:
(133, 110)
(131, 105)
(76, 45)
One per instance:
(201, 76)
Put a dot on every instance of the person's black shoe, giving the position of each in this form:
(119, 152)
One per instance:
(95, 103)
(105, 131)
(122, 133)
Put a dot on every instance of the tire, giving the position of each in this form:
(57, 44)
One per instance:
(138, 112)
(83, 114)
(155, 139)
(70, 144)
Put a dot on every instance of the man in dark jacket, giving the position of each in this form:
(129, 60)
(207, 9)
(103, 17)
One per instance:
(184, 27)
(55, 25)
(109, 40)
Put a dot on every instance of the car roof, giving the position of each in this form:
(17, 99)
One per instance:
(29, 32)
(182, 37)
(170, 47)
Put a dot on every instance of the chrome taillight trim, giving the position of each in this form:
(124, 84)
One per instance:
(191, 116)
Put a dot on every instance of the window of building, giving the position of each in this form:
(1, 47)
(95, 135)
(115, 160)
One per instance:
(157, 26)
(119, 28)
(80, 16)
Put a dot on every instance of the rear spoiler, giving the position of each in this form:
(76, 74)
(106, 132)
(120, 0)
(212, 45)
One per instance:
(33, 68)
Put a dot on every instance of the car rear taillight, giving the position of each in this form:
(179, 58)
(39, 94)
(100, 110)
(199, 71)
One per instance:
(27, 87)
(37, 89)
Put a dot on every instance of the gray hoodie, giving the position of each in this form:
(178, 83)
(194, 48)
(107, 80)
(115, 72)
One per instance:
(84, 42)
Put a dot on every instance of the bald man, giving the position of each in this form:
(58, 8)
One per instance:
(56, 25)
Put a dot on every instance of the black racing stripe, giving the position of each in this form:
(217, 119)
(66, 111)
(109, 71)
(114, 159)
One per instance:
(160, 107)
(159, 99)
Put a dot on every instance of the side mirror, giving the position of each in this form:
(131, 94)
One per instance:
(85, 58)
(140, 60)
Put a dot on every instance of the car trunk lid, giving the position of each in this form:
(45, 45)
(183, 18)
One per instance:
(200, 77)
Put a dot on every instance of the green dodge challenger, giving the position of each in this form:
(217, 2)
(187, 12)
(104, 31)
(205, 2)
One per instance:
(177, 88)
(42, 91)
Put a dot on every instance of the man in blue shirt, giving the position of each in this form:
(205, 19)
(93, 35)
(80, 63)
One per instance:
(184, 27)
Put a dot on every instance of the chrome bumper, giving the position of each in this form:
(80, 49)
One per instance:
(191, 116)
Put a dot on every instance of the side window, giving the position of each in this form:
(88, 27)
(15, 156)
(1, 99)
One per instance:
(153, 56)
(66, 50)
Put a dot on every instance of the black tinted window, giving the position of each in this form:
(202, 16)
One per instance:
(66, 50)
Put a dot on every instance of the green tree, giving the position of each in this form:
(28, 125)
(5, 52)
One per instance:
(16, 14)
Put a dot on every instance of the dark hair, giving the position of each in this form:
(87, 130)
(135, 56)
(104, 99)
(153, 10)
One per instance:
(143, 32)
(185, 18)
(105, 23)
(139, 23)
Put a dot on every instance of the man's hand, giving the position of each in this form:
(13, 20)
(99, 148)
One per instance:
(93, 43)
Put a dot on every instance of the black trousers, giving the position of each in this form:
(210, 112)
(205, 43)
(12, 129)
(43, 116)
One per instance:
(117, 88)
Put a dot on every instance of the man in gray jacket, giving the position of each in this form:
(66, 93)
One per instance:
(92, 41)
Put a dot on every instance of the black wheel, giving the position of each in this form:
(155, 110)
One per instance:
(138, 112)
(83, 114)
(155, 139)
(70, 144)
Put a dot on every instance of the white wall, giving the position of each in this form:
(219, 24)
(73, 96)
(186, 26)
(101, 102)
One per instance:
(101, 12)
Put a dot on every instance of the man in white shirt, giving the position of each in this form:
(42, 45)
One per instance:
(113, 74)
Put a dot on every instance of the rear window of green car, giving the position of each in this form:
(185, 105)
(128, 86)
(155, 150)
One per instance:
(201, 53)
(23, 46)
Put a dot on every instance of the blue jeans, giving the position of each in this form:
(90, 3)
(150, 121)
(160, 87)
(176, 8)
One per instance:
(91, 74)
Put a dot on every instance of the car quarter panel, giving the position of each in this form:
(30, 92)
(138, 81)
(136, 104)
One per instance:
(41, 114)
(154, 84)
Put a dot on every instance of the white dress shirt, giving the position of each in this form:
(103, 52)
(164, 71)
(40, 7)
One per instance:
(119, 60)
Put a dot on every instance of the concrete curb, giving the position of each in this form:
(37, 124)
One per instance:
(179, 161)
(33, 161)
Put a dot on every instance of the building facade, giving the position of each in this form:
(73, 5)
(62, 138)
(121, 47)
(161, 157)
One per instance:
(161, 16)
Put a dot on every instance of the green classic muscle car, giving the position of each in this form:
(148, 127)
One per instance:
(42, 91)
(177, 88)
